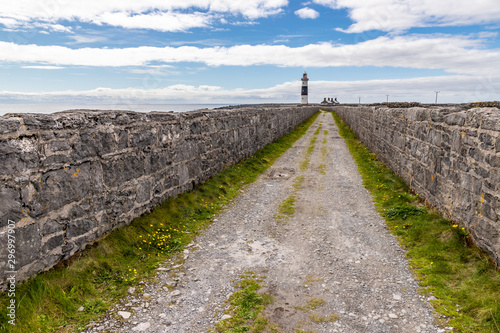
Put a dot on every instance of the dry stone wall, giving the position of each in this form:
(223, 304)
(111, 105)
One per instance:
(67, 179)
(449, 156)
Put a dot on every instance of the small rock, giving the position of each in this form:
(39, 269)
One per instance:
(224, 317)
(131, 290)
(393, 316)
(80, 309)
(142, 327)
(396, 297)
(124, 314)
(163, 269)
(147, 296)
(176, 293)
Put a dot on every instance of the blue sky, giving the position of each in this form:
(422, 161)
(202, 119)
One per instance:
(244, 51)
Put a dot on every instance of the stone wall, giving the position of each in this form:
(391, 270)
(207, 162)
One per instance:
(451, 157)
(67, 179)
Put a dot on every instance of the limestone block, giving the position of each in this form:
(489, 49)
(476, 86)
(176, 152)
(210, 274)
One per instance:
(491, 122)
(145, 137)
(457, 118)
(52, 243)
(59, 145)
(10, 205)
(30, 240)
(9, 125)
(144, 190)
(57, 188)
(122, 169)
(51, 227)
(487, 141)
(159, 160)
(55, 160)
(80, 227)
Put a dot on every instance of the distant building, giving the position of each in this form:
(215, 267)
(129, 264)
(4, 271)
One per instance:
(303, 92)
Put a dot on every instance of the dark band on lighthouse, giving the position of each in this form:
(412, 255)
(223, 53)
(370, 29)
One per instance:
(304, 92)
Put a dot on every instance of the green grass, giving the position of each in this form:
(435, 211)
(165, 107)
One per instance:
(98, 277)
(246, 306)
(322, 168)
(318, 129)
(286, 208)
(447, 264)
(304, 164)
(319, 318)
(312, 304)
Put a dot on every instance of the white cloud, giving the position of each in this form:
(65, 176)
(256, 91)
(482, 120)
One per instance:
(454, 54)
(12, 24)
(307, 13)
(83, 39)
(454, 89)
(396, 15)
(166, 21)
(145, 14)
(42, 67)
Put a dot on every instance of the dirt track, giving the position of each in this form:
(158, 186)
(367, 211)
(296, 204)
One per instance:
(334, 248)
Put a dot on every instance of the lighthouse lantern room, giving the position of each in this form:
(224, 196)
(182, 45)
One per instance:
(303, 92)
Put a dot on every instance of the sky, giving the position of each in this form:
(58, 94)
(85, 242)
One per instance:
(248, 51)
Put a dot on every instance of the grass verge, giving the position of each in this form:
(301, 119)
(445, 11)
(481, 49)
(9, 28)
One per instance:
(459, 274)
(69, 296)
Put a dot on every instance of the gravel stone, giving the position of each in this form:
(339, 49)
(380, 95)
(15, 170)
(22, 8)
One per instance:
(124, 314)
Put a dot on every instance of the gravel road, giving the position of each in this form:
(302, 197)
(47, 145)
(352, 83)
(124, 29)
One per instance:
(335, 248)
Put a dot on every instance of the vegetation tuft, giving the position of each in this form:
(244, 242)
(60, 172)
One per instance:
(98, 277)
(312, 304)
(246, 306)
(461, 276)
(286, 208)
(490, 104)
(403, 212)
(304, 164)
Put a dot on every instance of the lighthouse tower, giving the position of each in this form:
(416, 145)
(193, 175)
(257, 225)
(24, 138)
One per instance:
(303, 92)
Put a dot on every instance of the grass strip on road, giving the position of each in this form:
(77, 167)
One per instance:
(75, 292)
(460, 275)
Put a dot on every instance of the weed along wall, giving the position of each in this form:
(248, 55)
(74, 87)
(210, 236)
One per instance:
(449, 156)
(67, 179)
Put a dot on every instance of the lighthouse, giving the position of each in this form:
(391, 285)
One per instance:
(303, 92)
